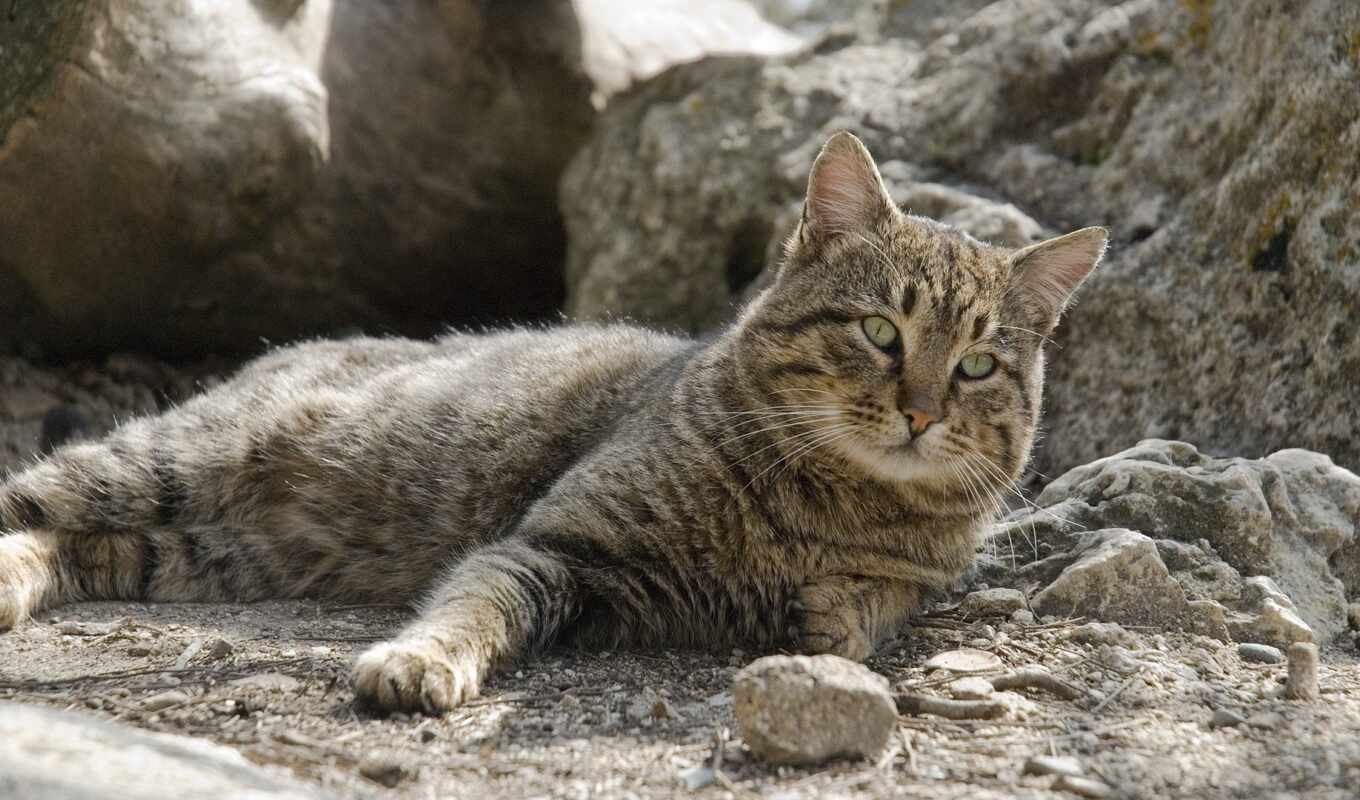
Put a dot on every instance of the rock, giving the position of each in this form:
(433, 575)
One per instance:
(970, 689)
(72, 628)
(1225, 718)
(999, 602)
(964, 661)
(1260, 653)
(1230, 198)
(217, 649)
(649, 706)
(311, 170)
(165, 700)
(1023, 617)
(386, 769)
(1353, 615)
(806, 710)
(1291, 521)
(1053, 765)
(1266, 720)
(53, 755)
(190, 650)
(696, 778)
(1083, 787)
(1100, 633)
(1302, 680)
(271, 681)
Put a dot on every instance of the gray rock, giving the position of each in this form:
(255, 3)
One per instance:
(1260, 653)
(1234, 238)
(166, 700)
(998, 602)
(386, 769)
(1225, 718)
(1083, 787)
(1053, 765)
(806, 710)
(1291, 520)
(970, 689)
(56, 755)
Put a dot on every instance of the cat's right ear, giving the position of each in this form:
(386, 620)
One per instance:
(845, 192)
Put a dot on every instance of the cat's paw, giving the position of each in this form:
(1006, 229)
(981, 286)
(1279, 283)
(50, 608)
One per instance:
(414, 676)
(822, 621)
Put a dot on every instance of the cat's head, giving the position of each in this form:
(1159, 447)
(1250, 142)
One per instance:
(900, 344)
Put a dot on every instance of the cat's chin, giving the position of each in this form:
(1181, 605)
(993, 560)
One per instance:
(902, 463)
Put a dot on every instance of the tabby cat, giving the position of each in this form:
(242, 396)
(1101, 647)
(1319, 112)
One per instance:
(798, 479)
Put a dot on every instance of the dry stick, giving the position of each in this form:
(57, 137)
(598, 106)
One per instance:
(908, 703)
(141, 673)
(1036, 678)
(1126, 684)
(491, 701)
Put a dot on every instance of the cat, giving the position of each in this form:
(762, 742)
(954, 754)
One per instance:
(799, 479)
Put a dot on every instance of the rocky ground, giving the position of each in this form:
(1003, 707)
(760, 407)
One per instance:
(1158, 715)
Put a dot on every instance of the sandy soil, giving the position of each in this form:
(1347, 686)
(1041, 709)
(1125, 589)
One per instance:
(583, 724)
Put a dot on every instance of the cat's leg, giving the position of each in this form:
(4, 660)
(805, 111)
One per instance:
(41, 568)
(849, 615)
(500, 601)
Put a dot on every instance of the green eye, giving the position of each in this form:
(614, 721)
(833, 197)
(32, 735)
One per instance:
(880, 331)
(977, 365)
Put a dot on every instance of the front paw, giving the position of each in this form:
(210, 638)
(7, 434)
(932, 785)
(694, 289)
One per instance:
(821, 625)
(415, 676)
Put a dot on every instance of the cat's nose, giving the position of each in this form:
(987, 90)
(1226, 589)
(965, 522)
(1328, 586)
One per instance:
(919, 420)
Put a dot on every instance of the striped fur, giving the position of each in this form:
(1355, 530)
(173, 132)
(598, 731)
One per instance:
(591, 484)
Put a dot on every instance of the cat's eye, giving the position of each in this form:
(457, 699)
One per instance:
(880, 331)
(977, 366)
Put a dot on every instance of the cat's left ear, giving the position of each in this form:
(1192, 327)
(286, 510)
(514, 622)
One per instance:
(1048, 273)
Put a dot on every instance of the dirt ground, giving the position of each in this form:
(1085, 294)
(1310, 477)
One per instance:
(270, 680)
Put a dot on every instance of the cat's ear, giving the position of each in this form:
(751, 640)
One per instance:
(1048, 273)
(845, 192)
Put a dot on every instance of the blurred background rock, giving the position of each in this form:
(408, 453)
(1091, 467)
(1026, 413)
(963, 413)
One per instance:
(183, 183)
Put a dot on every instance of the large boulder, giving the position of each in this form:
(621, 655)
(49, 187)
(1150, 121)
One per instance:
(195, 180)
(1262, 550)
(56, 755)
(1218, 141)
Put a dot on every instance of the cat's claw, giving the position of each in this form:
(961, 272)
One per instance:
(414, 676)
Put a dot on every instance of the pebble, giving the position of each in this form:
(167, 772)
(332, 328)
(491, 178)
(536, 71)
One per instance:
(973, 688)
(164, 700)
(1302, 682)
(810, 709)
(1053, 765)
(71, 628)
(1100, 633)
(269, 680)
(1223, 718)
(1023, 617)
(1082, 787)
(218, 649)
(1267, 720)
(1353, 615)
(1260, 653)
(385, 770)
(965, 660)
(138, 651)
(993, 603)
(696, 778)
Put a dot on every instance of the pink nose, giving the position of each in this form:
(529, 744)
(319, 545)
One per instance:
(919, 420)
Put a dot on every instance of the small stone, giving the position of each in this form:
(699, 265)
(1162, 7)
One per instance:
(1083, 787)
(273, 681)
(217, 649)
(71, 628)
(650, 706)
(965, 660)
(1260, 653)
(1053, 765)
(138, 651)
(383, 769)
(696, 778)
(165, 700)
(806, 710)
(1023, 617)
(720, 700)
(1100, 633)
(1353, 615)
(189, 652)
(1268, 720)
(993, 603)
(427, 735)
(1302, 681)
(973, 688)
(1224, 718)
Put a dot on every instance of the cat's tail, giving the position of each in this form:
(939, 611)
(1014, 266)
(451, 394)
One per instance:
(115, 486)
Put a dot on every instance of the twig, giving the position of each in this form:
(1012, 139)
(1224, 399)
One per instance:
(491, 701)
(1126, 684)
(1036, 678)
(908, 703)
